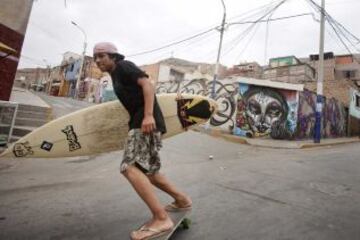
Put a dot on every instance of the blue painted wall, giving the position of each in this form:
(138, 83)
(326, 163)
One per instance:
(72, 70)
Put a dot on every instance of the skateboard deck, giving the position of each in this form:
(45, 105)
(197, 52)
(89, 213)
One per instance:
(180, 221)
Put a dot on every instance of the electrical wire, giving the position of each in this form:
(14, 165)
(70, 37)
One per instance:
(193, 36)
(337, 27)
(247, 31)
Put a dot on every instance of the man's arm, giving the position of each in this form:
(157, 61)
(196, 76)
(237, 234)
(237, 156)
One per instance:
(148, 124)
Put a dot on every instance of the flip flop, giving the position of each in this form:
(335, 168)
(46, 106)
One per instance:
(173, 207)
(154, 233)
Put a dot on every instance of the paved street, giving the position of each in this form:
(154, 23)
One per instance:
(63, 105)
(245, 192)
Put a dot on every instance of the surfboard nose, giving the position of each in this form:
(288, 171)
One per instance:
(6, 154)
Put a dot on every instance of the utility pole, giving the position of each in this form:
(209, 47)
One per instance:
(319, 88)
(222, 29)
(82, 60)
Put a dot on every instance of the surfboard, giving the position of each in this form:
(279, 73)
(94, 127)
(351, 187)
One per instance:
(103, 128)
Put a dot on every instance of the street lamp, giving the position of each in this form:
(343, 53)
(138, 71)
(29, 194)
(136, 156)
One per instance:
(48, 80)
(82, 58)
(222, 29)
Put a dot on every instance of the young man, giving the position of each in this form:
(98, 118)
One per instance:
(141, 162)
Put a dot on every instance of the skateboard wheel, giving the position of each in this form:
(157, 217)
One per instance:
(185, 223)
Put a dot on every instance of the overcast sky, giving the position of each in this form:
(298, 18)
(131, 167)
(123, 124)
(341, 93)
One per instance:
(140, 25)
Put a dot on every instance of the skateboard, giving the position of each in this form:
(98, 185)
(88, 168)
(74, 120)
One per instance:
(180, 220)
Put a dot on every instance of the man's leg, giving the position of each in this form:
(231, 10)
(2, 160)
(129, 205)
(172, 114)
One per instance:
(142, 185)
(161, 182)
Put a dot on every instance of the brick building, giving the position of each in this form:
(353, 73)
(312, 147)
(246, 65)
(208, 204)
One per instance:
(251, 70)
(341, 73)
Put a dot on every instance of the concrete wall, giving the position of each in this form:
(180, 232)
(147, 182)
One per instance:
(329, 68)
(299, 73)
(334, 117)
(285, 114)
(164, 73)
(225, 96)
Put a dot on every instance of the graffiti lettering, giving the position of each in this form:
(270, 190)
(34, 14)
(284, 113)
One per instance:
(72, 138)
(225, 96)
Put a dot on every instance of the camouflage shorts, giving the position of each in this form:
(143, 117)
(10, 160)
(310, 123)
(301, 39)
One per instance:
(142, 150)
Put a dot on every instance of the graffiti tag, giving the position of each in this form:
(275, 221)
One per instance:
(72, 138)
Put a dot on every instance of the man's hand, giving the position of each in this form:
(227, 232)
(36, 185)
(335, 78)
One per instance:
(148, 124)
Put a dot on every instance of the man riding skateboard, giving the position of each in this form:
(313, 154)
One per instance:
(141, 161)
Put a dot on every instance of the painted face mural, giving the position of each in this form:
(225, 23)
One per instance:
(264, 107)
(263, 111)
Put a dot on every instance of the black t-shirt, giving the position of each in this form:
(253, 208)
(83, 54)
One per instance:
(125, 81)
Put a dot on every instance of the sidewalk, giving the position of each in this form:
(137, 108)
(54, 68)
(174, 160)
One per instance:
(273, 143)
(25, 97)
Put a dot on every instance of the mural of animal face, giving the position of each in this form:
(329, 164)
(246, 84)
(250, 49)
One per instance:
(264, 107)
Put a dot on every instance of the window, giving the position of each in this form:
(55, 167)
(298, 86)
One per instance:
(176, 75)
(349, 74)
(357, 101)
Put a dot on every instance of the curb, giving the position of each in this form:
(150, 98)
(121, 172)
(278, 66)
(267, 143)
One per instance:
(218, 133)
(314, 145)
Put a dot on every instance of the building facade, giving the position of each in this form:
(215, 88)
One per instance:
(251, 70)
(285, 111)
(14, 17)
(178, 70)
(290, 70)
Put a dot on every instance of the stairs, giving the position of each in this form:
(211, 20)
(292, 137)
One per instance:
(29, 118)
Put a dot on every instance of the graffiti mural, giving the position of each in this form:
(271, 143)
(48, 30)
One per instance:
(225, 95)
(306, 114)
(333, 117)
(257, 111)
(263, 111)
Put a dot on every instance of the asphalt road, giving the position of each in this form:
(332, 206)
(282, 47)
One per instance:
(244, 192)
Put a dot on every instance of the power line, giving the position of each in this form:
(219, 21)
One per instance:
(271, 20)
(248, 43)
(234, 42)
(266, 39)
(258, 9)
(172, 44)
(249, 29)
(337, 27)
(193, 36)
